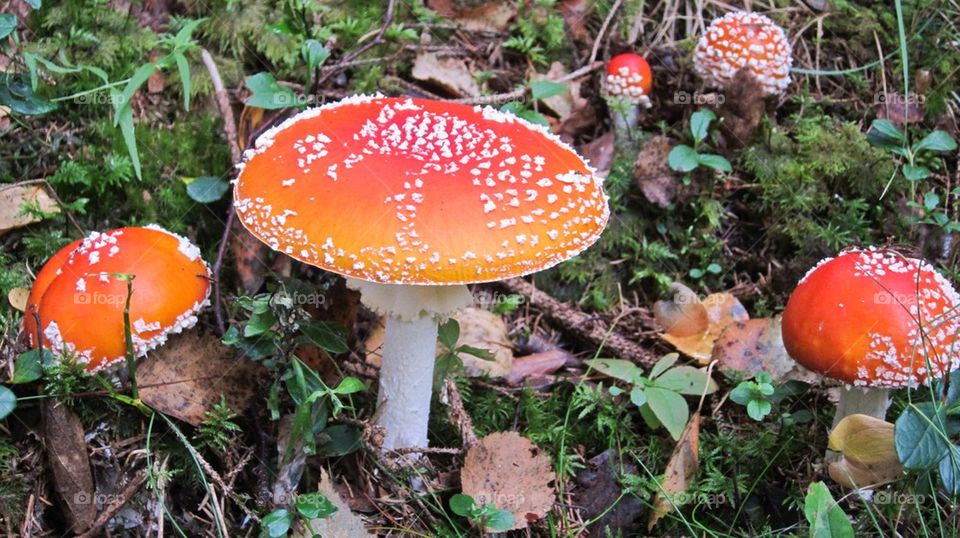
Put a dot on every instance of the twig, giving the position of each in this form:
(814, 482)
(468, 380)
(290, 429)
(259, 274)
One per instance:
(114, 507)
(377, 39)
(522, 92)
(230, 130)
(459, 416)
(589, 328)
(603, 30)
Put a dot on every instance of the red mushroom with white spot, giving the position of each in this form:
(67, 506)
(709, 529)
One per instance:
(80, 294)
(744, 40)
(411, 200)
(629, 80)
(875, 320)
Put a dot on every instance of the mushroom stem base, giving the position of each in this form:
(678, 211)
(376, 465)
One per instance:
(624, 123)
(859, 401)
(406, 381)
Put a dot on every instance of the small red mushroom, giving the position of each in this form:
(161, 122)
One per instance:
(741, 40)
(80, 299)
(629, 80)
(876, 320)
(411, 200)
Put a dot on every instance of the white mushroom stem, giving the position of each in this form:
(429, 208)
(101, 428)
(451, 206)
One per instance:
(859, 401)
(624, 122)
(409, 354)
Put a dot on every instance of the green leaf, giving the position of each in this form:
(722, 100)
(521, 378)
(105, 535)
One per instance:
(20, 97)
(29, 366)
(617, 368)
(936, 141)
(663, 364)
(480, 353)
(183, 67)
(462, 505)
(184, 36)
(268, 94)
(314, 506)
(714, 268)
(329, 337)
(338, 440)
(915, 173)
(637, 395)
(124, 118)
(499, 521)
(277, 523)
(950, 471)
(717, 162)
(884, 133)
(314, 53)
(350, 385)
(931, 200)
(826, 519)
(670, 409)
(259, 324)
(8, 23)
(683, 158)
(542, 89)
(139, 77)
(757, 409)
(35, 4)
(207, 189)
(8, 402)
(700, 124)
(742, 393)
(686, 380)
(920, 436)
(449, 333)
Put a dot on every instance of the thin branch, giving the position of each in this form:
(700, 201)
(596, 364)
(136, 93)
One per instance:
(349, 58)
(522, 92)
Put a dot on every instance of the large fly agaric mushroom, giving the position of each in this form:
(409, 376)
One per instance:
(742, 40)
(80, 294)
(875, 320)
(411, 200)
(630, 80)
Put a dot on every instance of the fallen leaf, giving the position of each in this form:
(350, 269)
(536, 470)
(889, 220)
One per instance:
(478, 328)
(722, 310)
(451, 75)
(743, 107)
(186, 376)
(682, 315)
(599, 153)
(652, 173)
(869, 455)
(156, 82)
(342, 524)
(249, 254)
(69, 463)
(15, 198)
(599, 496)
(898, 110)
(681, 468)
(536, 364)
(491, 17)
(575, 15)
(756, 345)
(511, 473)
(18, 298)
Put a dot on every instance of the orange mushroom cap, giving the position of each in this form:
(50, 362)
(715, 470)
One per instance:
(413, 191)
(80, 300)
(629, 77)
(874, 318)
(49, 272)
(741, 39)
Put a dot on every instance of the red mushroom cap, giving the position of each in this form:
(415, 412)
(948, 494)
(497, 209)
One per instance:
(50, 271)
(855, 318)
(81, 301)
(741, 39)
(413, 191)
(629, 77)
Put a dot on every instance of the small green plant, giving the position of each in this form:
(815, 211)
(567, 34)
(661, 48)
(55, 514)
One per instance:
(218, 430)
(308, 507)
(884, 134)
(755, 395)
(683, 158)
(924, 434)
(658, 395)
(824, 515)
(487, 516)
(449, 361)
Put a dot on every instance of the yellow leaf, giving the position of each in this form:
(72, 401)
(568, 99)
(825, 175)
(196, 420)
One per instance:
(693, 326)
(864, 440)
(682, 467)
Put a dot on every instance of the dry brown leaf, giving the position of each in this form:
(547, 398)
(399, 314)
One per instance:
(491, 17)
(599, 153)
(13, 199)
(18, 298)
(722, 310)
(478, 328)
(249, 254)
(743, 107)
(755, 346)
(511, 473)
(536, 364)
(449, 74)
(185, 377)
(575, 14)
(900, 111)
(69, 463)
(683, 314)
(681, 468)
(599, 496)
(652, 173)
(342, 524)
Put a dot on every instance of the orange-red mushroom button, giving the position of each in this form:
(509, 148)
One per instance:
(740, 40)
(80, 298)
(874, 318)
(629, 77)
